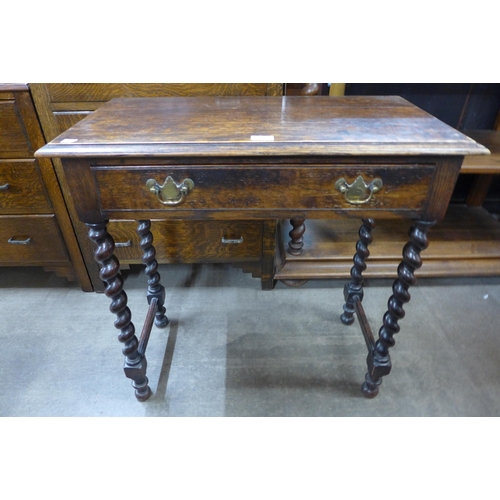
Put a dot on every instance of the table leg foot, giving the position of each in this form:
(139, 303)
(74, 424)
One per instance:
(370, 388)
(347, 316)
(142, 393)
(139, 380)
(135, 369)
(378, 367)
(162, 321)
(142, 396)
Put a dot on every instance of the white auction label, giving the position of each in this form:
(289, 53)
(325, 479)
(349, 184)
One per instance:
(262, 138)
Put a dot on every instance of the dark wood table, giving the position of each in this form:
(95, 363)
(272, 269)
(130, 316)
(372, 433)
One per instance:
(265, 158)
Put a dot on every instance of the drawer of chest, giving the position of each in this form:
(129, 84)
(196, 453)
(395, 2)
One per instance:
(307, 187)
(14, 142)
(21, 187)
(92, 93)
(31, 239)
(190, 241)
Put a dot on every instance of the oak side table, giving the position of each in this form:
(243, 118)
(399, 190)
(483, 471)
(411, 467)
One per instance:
(260, 158)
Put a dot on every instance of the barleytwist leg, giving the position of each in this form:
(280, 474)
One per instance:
(135, 364)
(155, 288)
(355, 287)
(296, 243)
(379, 361)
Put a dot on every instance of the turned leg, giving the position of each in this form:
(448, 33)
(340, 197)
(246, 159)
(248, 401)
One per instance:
(135, 363)
(379, 362)
(354, 289)
(155, 288)
(296, 243)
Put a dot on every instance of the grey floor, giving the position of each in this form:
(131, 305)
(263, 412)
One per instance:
(232, 349)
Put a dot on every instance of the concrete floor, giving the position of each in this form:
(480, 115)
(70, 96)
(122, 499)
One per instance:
(232, 349)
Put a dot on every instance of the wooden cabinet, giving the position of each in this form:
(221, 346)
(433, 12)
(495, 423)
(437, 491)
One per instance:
(35, 229)
(250, 246)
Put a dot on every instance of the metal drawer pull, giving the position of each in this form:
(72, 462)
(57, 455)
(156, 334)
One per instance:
(228, 241)
(4, 187)
(359, 191)
(170, 193)
(12, 241)
(123, 244)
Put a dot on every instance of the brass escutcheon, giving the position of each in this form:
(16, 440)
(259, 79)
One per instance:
(170, 193)
(359, 192)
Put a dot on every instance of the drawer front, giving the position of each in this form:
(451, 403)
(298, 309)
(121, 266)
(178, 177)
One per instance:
(31, 239)
(14, 142)
(95, 92)
(190, 241)
(266, 188)
(21, 187)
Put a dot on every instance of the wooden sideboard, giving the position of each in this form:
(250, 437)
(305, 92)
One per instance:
(248, 245)
(35, 228)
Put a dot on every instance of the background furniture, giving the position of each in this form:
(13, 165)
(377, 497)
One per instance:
(465, 243)
(35, 229)
(62, 105)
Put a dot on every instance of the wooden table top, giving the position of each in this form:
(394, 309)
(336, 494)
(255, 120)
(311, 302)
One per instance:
(249, 126)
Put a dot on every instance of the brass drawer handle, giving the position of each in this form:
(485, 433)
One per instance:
(13, 241)
(228, 241)
(4, 187)
(359, 191)
(170, 193)
(122, 244)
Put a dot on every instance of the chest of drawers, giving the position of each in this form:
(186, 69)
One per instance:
(35, 229)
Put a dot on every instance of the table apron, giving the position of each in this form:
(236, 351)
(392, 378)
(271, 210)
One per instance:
(258, 192)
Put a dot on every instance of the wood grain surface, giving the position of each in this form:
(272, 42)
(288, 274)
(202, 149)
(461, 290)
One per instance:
(25, 191)
(260, 125)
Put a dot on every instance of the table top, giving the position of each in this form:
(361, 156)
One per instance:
(249, 126)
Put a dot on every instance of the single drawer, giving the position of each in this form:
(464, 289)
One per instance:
(286, 187)
(21, 187)
(31, 239)
(14, 142)
(190, 241)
